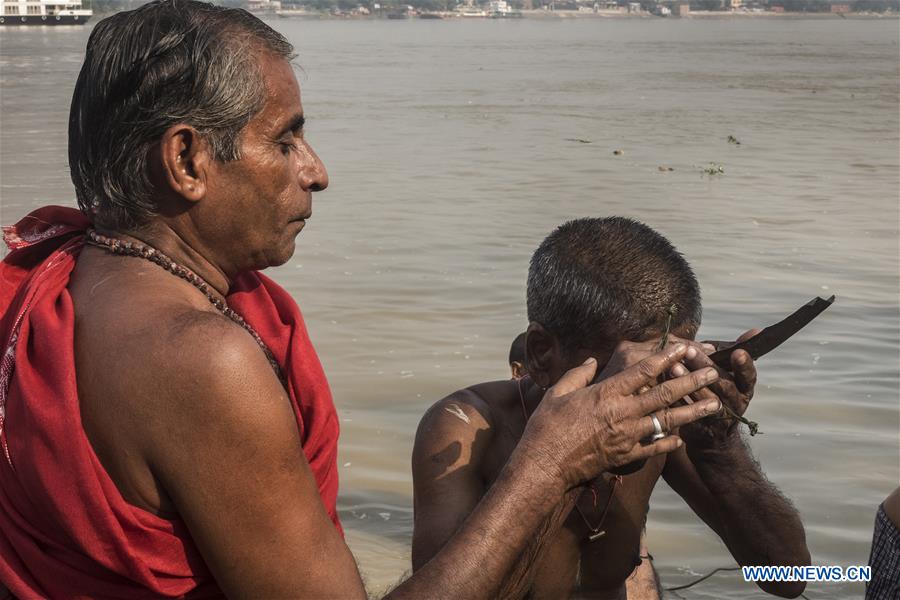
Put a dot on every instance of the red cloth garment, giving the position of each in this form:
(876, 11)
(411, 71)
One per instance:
(65, 530)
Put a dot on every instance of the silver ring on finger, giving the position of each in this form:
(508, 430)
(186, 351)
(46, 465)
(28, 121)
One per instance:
(658, 432)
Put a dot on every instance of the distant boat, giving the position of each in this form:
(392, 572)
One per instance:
(44, 12)
(430, 16)
(397, 15)
(470, 11)
(500, 9)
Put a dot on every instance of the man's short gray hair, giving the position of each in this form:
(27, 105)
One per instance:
(594, 282)
(167, 62)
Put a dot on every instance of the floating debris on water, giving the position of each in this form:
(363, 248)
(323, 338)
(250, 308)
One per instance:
(579, 140)
(713, 169)
(664, 168)
(733, 140)
(385, 515)
(618, 152)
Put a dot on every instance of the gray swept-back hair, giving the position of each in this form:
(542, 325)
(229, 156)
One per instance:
(594, 282)
(167, 62)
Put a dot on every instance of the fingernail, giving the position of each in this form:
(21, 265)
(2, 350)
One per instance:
(678, 348)
(712, 407)
(590, 360)
(691, 352)
(678, 443)
(679, 370)
(709, 347)
(710, 375)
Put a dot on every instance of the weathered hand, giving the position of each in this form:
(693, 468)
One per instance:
(579, 432)
(734, 388)
(628, 353)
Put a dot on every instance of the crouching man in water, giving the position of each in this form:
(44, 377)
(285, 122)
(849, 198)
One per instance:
(592, 284)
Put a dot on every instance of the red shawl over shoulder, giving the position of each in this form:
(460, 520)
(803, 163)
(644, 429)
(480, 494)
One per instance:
(65, 531)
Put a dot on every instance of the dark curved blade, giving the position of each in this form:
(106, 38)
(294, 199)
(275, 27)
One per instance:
(773, 336)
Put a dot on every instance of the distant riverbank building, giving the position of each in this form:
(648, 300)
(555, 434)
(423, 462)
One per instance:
(43, 12)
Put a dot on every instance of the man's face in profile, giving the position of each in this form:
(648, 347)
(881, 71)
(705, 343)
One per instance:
(264, 198)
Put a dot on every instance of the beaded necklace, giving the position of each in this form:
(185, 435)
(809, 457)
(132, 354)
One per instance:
(140, 250)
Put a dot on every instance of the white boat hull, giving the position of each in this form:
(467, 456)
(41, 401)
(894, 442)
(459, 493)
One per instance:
(67, 19)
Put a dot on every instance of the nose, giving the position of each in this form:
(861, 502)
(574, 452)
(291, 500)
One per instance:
(313, 176)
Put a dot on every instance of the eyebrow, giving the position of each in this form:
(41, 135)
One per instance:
(295, 124)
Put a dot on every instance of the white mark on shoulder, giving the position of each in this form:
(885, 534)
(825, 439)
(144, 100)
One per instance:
(457, 412)
(99, 283)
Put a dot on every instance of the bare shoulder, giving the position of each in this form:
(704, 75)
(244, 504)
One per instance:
(210, 375)
(452, 441)
(208, 346)
(215, 431)
(148, 340)
(463, 406)
(467, 410)
(458, 430)
(143, 336)
(158, 369)
(173, 352)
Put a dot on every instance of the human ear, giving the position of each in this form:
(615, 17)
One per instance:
(518, 370)
(543, 355)
(185, 160)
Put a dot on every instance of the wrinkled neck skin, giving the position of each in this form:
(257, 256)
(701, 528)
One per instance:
(178, 238)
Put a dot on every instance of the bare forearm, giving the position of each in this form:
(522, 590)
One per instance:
(758, 524)
(522, 508)
(521, 577)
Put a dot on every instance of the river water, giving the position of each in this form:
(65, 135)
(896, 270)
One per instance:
(449, 149)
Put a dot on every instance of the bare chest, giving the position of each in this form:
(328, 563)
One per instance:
(599, 545)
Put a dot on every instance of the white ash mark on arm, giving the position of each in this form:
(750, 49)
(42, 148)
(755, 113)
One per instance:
(457, 412)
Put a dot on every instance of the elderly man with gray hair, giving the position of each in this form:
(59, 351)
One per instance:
(166, 427)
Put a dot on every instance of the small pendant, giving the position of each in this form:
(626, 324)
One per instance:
(596, 535)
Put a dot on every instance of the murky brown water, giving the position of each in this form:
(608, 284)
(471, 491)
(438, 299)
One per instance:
(446, 145)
